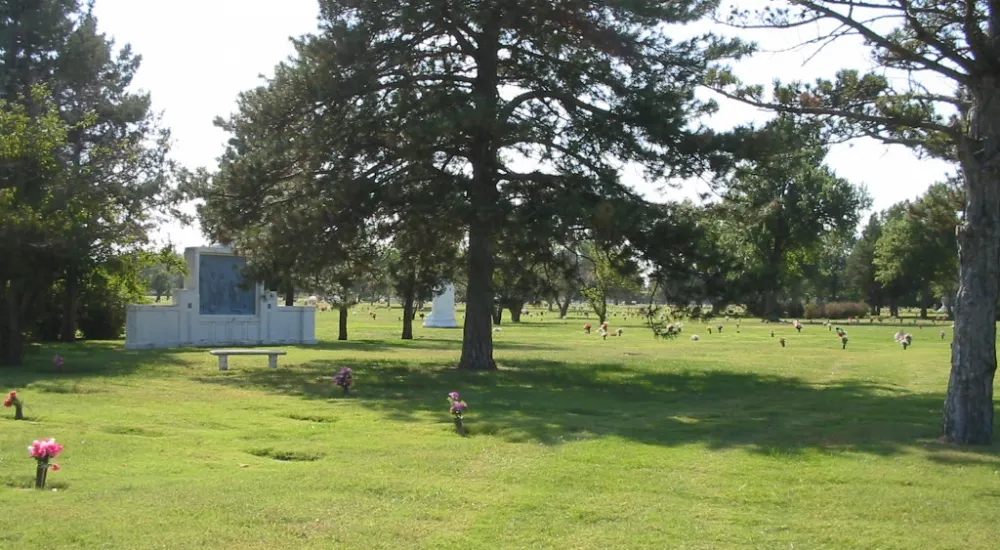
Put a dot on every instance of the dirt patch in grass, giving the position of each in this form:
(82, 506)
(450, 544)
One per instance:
(28, 482)
(313, 418)
(286, 456)
(65, 388)
(131, 430)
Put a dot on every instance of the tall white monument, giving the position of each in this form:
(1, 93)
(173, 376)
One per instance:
(443, 310)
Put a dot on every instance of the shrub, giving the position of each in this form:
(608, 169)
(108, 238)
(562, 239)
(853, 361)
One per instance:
(102, 309)
(813, 311)
(843, 310)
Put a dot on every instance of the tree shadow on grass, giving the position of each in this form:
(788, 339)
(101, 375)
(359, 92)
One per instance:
(86, 359)
(419, 343)
(553, 403)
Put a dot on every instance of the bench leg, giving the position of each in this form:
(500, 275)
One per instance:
(272, 361)
(223, 362)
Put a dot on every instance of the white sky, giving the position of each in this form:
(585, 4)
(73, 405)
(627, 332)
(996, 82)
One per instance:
(199, 54)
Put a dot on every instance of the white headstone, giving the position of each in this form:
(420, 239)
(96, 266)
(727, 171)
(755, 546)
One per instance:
(443, 310)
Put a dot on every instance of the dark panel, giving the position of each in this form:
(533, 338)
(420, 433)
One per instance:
(220, 286)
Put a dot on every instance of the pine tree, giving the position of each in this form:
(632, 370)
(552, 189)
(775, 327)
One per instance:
(462, 88)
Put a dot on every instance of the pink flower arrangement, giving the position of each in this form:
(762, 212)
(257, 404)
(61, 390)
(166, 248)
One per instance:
(14, 401)
(43, 451)
(58, 362)
(344, 379)
(457, 409)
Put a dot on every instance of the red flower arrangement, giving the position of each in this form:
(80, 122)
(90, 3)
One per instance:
(14, 401)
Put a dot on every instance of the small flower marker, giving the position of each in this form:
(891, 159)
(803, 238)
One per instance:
(344, 379)
(14, 401)
(457, 410)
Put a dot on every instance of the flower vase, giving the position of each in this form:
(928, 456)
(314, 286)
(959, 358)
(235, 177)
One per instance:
(41, 473)
(347, 390)
(459, 426)
(18, 412)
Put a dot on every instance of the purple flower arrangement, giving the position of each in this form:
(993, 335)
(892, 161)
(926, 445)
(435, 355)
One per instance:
(457, 409)
(344, 379)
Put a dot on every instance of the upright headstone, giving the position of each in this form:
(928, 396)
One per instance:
(443, 310)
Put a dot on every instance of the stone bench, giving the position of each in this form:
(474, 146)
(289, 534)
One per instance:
(224, 354)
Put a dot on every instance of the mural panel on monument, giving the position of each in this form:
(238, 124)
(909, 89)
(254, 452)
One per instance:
(220, 286)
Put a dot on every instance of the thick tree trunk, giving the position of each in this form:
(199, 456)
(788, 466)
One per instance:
(67, 332)
(477, 344)
(342, 323)
(484, 197)
(968, 407)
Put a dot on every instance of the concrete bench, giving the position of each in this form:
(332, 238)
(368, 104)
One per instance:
(224, 354)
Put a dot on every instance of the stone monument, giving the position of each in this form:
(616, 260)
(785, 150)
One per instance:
(443, 310)
(216, 308)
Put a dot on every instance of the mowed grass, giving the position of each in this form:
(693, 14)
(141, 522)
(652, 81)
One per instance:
(728, 442)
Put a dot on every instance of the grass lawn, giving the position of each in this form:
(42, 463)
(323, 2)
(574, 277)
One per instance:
(728, 442)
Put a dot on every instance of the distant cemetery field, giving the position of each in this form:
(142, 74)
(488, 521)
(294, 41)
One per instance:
(730, 441)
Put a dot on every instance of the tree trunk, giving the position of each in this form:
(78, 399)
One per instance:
(290, 296)
(408, 312)
(477, 343)
(342, 324)
(926, 299)
(564, 308)
(67, 332)
(968, 407)
(515, 307)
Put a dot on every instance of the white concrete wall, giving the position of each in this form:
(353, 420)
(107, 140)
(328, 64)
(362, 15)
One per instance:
(180, 324)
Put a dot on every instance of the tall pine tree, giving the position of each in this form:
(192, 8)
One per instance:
(466, 88)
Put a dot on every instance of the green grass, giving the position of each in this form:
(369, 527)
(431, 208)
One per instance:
(729, 442)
